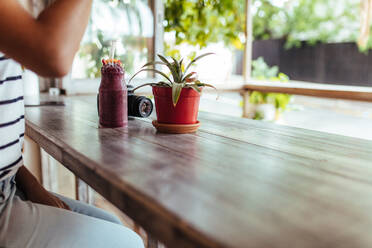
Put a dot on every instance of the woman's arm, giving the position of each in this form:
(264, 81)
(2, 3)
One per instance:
(35, 192)
(47, 44)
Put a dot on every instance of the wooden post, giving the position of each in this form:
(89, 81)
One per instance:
(246, 107)
(365, 20)
(248, 41)
(247, 66)
(158, 10)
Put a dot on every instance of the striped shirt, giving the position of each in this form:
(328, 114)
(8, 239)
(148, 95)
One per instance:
(12, 125)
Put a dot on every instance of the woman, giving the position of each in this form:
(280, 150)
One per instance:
(30, 216)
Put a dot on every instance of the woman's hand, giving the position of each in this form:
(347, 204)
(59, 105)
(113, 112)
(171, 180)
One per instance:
(35, 192)
(42, 196)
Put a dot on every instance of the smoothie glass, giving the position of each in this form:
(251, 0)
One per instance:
(112, 97)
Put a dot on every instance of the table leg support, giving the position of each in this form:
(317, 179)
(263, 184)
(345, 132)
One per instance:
(49, 172)
(83, 192)
(32, 157)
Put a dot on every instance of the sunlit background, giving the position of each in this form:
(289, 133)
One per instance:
(316, 41)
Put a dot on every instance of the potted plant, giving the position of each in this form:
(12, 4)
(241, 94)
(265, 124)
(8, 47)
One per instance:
(177, 96)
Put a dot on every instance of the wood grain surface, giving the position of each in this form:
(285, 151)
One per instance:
(234, 183)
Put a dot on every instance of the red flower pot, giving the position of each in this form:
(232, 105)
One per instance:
(186, 110)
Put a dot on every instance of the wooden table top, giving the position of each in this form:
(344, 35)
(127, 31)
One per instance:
(235, 183)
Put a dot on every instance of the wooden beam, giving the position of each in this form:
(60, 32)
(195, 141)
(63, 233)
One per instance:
(316, 90)
(354, 93)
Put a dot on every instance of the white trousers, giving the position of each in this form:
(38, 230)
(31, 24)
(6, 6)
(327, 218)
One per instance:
(24, 224)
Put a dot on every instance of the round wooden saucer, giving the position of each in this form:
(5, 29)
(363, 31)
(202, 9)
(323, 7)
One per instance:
(175, 128)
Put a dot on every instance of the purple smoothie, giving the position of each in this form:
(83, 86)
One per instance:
(112, 98)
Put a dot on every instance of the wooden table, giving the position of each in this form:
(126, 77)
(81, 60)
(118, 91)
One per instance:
(235, 183)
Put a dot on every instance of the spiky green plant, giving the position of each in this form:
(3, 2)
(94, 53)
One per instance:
(181, 77)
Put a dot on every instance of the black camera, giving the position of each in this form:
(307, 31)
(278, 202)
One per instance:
(138, 106)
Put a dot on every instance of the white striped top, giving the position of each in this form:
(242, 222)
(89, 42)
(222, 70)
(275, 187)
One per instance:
(12, 125)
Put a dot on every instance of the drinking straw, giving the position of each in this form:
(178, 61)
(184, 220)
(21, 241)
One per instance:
(112, 50)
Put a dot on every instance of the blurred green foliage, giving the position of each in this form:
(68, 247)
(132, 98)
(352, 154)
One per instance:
(95, 51)
(98, 46)
(261, 71)
(200, 22)
(321, 21)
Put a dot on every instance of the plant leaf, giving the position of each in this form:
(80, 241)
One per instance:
(187, 76)
(162, 82)
(198, 83)
(171, 68)
(163, 59)
(196, 59)
(207, 85)
(176, 93)
(148, 69)
(194, 87)
(152, 84)
(143, 85)
(153, 63)
(178, 68)
(181, 61)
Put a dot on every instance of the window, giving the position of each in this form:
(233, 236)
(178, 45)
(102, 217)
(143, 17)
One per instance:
(129, 22)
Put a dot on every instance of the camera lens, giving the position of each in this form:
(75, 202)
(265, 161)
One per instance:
(142, 107)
